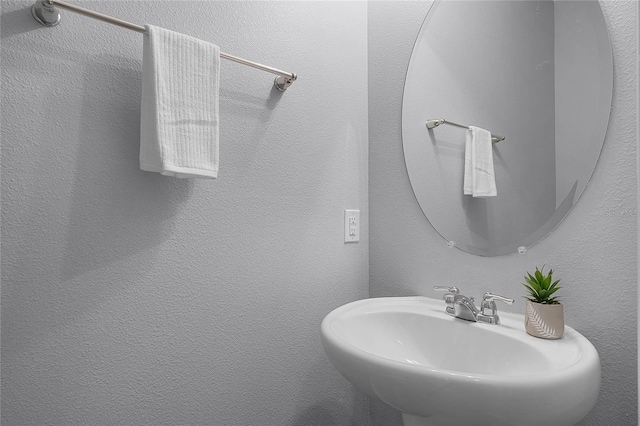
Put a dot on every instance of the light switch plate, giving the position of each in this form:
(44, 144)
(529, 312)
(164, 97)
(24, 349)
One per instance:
(351, 226)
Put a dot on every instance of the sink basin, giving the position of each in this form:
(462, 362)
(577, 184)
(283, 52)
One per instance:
(440, 370)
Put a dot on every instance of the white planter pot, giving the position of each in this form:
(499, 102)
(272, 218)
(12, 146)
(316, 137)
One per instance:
(544, 321)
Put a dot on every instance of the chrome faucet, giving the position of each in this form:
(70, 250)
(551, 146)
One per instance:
(464, 307)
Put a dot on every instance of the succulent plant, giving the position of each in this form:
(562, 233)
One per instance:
(541, 287)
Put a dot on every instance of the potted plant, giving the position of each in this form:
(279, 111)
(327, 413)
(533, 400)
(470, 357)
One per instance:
(544, 316)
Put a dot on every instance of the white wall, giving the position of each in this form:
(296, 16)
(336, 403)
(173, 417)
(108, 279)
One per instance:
(593, 250)
(132, 298)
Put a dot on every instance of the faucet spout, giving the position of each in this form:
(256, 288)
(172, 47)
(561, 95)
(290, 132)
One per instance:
(464, 308)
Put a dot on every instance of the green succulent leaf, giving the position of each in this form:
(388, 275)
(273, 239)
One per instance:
(553, 290)
(531, 291)
(539, 276)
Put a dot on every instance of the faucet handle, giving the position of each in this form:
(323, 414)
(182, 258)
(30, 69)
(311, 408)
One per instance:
(450, 290)
(489, 297)
(448, 297)
(488, 309)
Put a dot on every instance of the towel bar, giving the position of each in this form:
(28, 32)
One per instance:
(45, 12)
(438, 121)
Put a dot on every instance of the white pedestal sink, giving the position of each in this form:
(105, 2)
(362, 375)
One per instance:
(440, 370)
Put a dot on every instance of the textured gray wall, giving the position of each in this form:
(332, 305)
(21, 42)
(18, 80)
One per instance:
(130, 298)
(593, 250)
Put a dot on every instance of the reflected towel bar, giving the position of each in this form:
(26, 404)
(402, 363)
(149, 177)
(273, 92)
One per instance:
(44, 12)
(438, 121)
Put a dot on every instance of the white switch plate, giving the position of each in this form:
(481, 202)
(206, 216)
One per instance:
(351, 226)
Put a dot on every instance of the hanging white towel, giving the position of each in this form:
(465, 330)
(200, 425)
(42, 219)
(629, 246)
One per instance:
(479, 174)
(179, 126)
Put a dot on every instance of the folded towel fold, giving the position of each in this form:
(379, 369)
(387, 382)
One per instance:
(479, 174)
(179, 126)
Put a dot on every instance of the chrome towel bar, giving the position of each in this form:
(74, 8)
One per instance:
(438, 121)
(45, 12)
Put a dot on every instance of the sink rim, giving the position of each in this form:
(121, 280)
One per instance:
(583, 353)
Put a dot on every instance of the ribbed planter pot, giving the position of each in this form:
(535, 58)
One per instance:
(544, 321)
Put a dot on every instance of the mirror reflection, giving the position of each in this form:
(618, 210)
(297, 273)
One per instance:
(540, 74)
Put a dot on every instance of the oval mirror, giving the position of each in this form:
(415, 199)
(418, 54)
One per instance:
(539, 73)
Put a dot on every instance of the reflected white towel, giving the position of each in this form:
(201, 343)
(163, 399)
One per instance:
(479, 175)
(179, 117)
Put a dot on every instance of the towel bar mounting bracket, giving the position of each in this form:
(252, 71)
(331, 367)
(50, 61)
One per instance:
(282, 83)
(434, 123)
(45, 13)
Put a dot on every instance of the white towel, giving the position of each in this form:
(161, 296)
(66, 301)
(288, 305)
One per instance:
(179, 117)
(479, 175)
